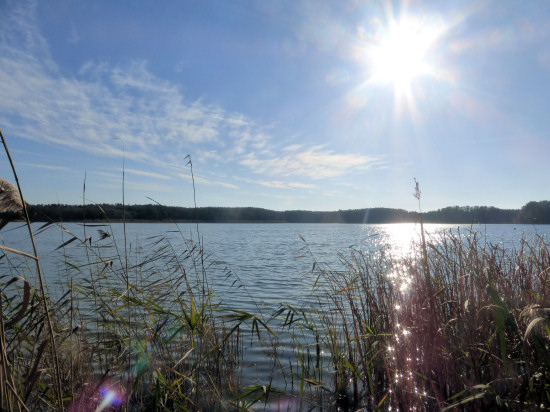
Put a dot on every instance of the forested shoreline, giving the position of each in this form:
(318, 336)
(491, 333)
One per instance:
(531, 213)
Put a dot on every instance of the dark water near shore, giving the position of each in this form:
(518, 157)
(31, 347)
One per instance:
(251, 267)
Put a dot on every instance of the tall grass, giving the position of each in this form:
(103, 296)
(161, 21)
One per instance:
(136, 327)
(469, 329)
(456, 324)
(180, 349)
(377, 339)
(7, 385)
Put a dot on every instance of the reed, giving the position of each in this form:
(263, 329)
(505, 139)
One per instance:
(473, 335)
(477, 336)
(136, 327)
(456, 324)
(183, 346)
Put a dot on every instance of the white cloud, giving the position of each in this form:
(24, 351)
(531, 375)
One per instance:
(42, 166)
(147, 174)
(107, 109)
(297, 185)
(314, 163)
(292, 148)
(278, 184)
(208, 156)
(114, 110)
(209, 182)
(112, 180)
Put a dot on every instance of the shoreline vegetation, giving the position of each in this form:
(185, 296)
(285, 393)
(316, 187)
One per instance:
(531, 213)
(457, 323)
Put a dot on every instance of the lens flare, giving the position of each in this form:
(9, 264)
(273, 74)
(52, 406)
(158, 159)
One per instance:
(109, 398)
(96, 397)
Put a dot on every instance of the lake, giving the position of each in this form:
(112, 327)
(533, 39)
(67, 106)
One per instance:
(269, 260)
(251, 267)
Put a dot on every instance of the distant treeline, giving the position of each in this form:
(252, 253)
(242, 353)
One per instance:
(532, 212)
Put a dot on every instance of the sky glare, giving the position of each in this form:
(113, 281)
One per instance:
(294, 104)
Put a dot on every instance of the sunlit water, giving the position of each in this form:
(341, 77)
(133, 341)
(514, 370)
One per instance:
(251, 267)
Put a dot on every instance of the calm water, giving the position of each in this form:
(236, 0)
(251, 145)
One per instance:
(267, 262)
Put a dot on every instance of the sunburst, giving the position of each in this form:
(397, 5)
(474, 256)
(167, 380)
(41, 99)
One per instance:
(402, 53)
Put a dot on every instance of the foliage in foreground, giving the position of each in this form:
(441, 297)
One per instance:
(137, 334)
(457, 324)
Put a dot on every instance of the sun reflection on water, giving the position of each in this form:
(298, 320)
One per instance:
(403, 238)
(404, 355)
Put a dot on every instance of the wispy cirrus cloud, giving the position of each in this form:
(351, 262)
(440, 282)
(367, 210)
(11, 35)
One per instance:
(314, 162)
(107, 109)
(114, 181)
(285, 185)
(208, 182)
(278, 184)
(43, 166)
(115, 110)
(148, 174)
(104, 104)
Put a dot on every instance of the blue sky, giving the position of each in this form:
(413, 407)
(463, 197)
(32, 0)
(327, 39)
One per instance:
(293, 104)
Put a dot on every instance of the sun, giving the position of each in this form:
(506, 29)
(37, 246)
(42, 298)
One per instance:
(402, 52)
(400, 55)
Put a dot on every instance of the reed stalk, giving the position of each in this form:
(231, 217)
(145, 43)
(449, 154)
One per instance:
(454, 324)
(57, 376)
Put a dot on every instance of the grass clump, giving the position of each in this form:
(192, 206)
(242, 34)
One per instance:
(459, 323)
(135, 327)
(143, 334)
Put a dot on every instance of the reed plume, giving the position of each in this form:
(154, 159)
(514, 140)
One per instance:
(11, 206)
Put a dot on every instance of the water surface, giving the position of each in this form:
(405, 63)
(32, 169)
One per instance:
(251, 267)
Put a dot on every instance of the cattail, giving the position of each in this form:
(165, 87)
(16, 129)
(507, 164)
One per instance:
(11, 206)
